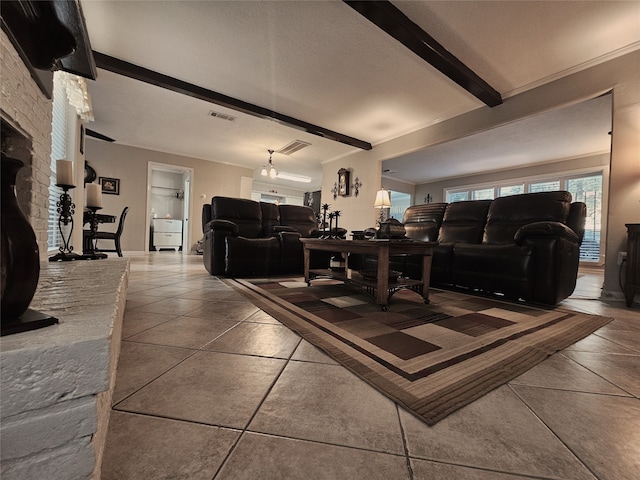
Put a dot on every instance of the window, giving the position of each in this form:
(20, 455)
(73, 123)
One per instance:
(483, 194)
(399, 203)
(58, 151)
(510, 190)
(544, 186)
(587, 188)
(453, 196)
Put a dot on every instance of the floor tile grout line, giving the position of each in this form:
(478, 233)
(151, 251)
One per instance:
(555, 435)
(405, 444)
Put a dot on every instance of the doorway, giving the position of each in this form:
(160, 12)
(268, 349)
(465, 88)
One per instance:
(168, 208)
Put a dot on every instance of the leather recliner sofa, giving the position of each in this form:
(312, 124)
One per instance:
(247, 238)
(524, 247)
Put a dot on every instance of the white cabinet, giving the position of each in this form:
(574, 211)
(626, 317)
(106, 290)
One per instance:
(167, 233)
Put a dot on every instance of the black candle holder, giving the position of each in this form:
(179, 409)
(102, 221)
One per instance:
(92, 253)
(65, 208)
(325, 208)
(334, 233)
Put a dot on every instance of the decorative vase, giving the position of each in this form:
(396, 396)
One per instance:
(20, 253)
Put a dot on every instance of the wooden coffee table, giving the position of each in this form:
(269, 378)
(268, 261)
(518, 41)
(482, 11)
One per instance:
(381, 287)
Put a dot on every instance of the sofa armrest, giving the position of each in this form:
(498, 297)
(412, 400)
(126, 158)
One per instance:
(222, 225)
(282, 228)
(545, 229)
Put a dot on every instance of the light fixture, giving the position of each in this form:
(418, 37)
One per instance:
(269, 169)
(382, 201)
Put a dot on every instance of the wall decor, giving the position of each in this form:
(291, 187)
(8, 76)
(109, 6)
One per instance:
(356, 186)
(344, 183)
(110, 186)
(334, 190)
(89, 173)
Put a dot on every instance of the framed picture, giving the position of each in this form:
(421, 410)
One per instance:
(110, 186)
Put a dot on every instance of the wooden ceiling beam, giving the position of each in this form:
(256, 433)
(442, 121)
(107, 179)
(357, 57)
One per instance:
(389, 18)
(142, 74)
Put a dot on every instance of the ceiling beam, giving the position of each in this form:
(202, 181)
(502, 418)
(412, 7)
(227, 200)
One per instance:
(389, 18)
(142, 74)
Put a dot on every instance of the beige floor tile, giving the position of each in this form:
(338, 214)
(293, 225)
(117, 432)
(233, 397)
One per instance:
(273, 458)
(209, 387)
(602, 430)
(562, 373)
(136, 322)
(148, 448)
(139, 364)
(186, 332)
(597, 344)
(232, 310)
(136, 300)
(620, 370)
(256, 339)
(425, 470)
(174, 306)
(627, 338)
(496, 432)
(326, 403)
(307, 352)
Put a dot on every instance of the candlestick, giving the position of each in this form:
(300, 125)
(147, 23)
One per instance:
(94, 195)
(64, 172)
(65, 209)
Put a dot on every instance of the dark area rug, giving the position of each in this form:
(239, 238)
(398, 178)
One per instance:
(432, 359)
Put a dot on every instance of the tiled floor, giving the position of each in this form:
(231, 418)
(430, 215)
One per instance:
(210, 387)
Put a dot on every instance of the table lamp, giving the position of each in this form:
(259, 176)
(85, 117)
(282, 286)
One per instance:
(382, 201)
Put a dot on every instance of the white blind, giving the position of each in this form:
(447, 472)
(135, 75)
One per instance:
(58, 151)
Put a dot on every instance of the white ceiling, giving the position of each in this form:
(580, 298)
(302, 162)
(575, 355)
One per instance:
(323, 63)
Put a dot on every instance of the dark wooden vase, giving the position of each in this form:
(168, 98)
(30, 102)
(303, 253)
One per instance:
(20, 253)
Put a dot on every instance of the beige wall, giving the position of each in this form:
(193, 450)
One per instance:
(621, 75)
(130, 165)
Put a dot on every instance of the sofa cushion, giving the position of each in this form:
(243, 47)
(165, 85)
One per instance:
(464, 221)
(299, 217)
(245, 213)
(270, 218)
(421, 222)
(507, 214)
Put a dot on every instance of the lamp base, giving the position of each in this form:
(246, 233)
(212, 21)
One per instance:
(29, 320)
(64, 257)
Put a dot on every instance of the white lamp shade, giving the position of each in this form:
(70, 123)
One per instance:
(382, 199)
(264, 171)
(273, 173)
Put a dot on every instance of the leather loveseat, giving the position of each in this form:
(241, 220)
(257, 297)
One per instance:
(247, 238)
(524, 247)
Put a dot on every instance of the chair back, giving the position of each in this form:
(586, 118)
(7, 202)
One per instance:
(121, 223)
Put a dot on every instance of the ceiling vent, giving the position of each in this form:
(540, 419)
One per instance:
(293, 147)
(222, 116)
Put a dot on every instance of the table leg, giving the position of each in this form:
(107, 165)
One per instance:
(426, 276)
(307, 257)
(382, 289)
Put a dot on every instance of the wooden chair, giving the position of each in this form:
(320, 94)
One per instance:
(115, 236)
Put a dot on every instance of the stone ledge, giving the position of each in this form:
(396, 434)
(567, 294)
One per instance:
(58, 368)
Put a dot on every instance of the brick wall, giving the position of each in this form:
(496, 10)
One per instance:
(28, 110)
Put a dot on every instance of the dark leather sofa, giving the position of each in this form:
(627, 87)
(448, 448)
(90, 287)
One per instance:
(247, 238)
(524, 247)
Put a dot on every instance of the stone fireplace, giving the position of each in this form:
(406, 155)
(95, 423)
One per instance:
(56, 381)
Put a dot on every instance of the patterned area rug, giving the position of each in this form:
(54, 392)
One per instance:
(432, 359)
